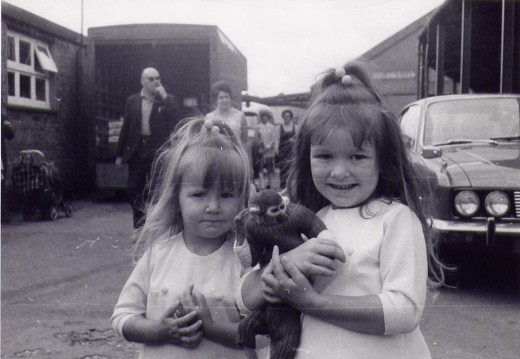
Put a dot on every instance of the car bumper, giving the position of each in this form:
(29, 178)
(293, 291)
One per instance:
(490, 227)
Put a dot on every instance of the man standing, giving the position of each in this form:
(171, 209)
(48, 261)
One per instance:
(150, 116)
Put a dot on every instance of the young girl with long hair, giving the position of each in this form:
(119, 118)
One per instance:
(178, 300)
(351, 167)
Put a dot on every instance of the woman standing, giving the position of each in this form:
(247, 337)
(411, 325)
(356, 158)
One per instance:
(221, 96)
(287, 132)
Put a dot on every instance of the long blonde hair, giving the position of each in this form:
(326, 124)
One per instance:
(224, 162)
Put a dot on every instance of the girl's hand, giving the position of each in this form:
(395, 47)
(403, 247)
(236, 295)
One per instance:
(203, 309)
(316, 256)
(288, 283)
(195, 301)
(187, 302)
(268, 293)
(183, 330)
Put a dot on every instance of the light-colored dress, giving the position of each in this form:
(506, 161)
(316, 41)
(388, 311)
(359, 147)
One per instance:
(269, 138)
(388, 259)
(158, 281)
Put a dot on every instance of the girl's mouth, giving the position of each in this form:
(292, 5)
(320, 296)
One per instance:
(342, 187)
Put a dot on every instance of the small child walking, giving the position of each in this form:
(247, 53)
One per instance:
(352, 168)
(179, 299)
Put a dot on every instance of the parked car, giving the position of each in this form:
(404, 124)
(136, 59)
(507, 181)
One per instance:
(469, 148)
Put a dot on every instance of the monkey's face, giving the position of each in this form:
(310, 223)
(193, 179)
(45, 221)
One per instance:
(276, 213)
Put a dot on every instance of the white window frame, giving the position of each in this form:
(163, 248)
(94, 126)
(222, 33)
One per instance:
(48, 68)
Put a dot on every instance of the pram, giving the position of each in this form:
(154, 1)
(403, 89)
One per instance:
(38, 186)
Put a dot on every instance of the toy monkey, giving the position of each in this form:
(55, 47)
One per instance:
(269, 221)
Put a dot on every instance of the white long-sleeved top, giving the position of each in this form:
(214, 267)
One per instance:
(158, 281)
(388, 259)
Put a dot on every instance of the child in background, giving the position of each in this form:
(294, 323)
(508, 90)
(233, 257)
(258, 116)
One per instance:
(269, 137)
(352, 168)
(178, 300)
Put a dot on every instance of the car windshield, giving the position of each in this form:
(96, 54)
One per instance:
(471, 120)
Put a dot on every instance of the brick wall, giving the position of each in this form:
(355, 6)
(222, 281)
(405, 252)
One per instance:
(58, 133)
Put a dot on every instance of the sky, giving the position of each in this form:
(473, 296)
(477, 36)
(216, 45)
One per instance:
(287, 43)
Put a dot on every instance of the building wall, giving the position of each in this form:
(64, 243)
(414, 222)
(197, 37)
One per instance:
(394, 71)
(55, 131)
(393, 64)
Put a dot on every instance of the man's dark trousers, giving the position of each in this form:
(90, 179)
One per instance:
(138, 178)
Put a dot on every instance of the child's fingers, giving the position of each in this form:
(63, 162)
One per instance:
(325, 262)
(329, 248)
(272, 299)
(268, 269)
(188, 299)
(170, 311)
(203, 308)
(190, 329)
(201, 300)
(278, 269)
(293, 271)
(316, 270)
(191, 341)
(186, 319)
(189, 289)
(270, 284)
(268, 291)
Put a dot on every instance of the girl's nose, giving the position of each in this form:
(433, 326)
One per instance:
(340, 170)
(213, 205)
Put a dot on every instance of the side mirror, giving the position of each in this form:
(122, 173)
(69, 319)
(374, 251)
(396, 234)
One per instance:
(431, 152)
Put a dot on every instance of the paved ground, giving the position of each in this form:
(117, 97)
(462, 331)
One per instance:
(60, 281)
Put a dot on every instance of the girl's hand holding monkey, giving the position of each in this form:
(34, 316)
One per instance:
(287, 283)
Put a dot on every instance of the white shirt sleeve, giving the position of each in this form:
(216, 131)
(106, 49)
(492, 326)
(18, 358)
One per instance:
(242, 308)
(404, 271)
(133, 298)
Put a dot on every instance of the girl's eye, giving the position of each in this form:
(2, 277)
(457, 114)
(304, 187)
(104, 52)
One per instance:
(322, 156)
(198, 194)
(227, 195)
(358, 157)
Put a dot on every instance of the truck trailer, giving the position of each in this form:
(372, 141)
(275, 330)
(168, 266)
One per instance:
(190, 58)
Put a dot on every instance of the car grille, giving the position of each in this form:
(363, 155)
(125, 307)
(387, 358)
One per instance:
(516, 196)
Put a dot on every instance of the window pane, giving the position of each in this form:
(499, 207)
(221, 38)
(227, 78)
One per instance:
(43, 49)
(10, 48)
(25, 86)
(40, 90)
(37, 66)
(10, 84)
(25, 53)
(44, 59)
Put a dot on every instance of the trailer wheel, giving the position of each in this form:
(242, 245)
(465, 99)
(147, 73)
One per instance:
(68, 210)
(53, 213)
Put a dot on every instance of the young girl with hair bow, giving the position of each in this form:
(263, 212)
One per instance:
(179, 299)
(352, 168)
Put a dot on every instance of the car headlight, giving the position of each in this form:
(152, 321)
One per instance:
(497, 203)
(467, 203)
